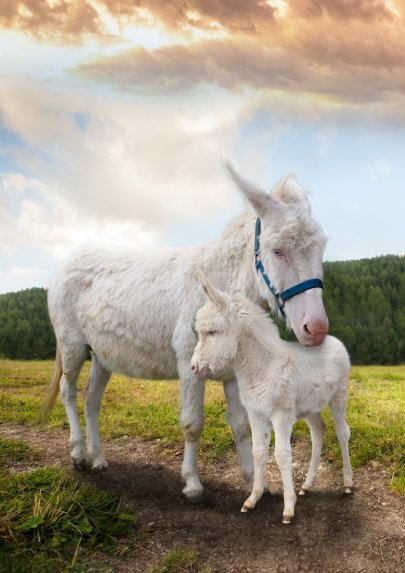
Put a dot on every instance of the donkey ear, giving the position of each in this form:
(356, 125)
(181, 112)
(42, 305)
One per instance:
(260, 200)
(291, 192)
(216, 296)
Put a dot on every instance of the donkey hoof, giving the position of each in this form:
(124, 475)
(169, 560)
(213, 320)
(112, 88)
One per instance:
(193, 495)
(80, 464)
(287, 518)
(99, 465)
(302, 491)
(247, 506)
(348, 490)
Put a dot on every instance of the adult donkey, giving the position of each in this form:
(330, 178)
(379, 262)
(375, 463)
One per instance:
(135, 310)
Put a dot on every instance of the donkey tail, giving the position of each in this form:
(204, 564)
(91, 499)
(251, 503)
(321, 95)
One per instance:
(53, 388)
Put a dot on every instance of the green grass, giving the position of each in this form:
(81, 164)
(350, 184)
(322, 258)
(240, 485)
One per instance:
(376, 406)
(48, 518)
(177, 559)
(12, 450)
(150, 410)
(377, 420)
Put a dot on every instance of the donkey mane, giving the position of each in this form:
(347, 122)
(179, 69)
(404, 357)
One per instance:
(236, 226)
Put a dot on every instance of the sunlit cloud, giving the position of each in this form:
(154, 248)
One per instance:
(341, 53)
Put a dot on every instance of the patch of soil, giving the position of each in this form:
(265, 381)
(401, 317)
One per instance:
(332, 532)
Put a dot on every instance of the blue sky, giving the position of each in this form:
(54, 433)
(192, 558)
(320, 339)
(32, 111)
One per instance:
(113, 120)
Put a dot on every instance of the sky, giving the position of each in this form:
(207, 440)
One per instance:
(114, 115)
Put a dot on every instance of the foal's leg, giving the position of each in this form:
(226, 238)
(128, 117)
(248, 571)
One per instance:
(261, 433)
(338, 408)
(317, 429)
(239, 422)
(192, 421)
(98, 380)
(72, 361)
(282, 451)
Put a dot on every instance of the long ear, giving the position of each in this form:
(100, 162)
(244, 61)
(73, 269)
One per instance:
(291, 192)
(260, 200)
(219, 298)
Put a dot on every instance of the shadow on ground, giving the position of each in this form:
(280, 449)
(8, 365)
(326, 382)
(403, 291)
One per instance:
(331, 533)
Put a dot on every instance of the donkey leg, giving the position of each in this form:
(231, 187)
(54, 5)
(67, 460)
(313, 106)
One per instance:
(192, 421)
(98, 380)
(282, 452)
(338, 408)
(261, 432)
(239, 422)
(317, 429)
(72, 361)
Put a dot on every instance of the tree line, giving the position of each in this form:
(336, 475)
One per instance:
(364, 300)
(25, 329)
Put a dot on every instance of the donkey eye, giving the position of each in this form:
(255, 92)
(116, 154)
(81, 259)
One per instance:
(211, 332)
(277, 252)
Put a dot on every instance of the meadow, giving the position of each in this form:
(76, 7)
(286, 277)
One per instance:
(48, 504)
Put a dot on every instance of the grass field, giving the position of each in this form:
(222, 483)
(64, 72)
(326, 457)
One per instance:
(150, 410)
(48, 518)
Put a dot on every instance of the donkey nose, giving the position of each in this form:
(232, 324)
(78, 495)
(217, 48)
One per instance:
(317, 329)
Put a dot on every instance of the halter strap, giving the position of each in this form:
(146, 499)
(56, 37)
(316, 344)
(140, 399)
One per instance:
(284, 295)
(300, 287)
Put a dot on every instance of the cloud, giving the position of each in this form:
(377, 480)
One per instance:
(366, 10)
(91, 169)
(32, 214)
(17, 278)
(352, 50)
(247, 16)
(352, 66)
(379, 168)
(50, 19)
(74, 20)
(226, 64)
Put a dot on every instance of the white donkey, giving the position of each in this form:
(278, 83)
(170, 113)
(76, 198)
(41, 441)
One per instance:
(279, 382)
(134, 309)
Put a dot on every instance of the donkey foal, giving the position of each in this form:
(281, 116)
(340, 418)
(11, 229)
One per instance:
(279, 382)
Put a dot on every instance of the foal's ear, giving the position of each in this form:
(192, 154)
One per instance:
(216, 296)
(260, 200)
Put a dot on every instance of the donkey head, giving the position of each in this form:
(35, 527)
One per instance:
(217, 337)
(292, 245)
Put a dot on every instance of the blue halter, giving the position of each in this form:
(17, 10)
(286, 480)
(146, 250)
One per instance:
(280, 297)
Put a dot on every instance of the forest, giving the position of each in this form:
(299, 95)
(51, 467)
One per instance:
(364, 300)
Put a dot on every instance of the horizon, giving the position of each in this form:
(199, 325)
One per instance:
(113, 120)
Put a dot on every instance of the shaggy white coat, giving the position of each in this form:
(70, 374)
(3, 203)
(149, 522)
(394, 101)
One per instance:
(135, 310)
(279, 382)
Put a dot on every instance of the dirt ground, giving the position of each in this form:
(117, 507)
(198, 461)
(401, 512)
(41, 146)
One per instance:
(332, 532)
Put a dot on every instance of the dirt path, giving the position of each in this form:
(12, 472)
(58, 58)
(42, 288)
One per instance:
(332, 532)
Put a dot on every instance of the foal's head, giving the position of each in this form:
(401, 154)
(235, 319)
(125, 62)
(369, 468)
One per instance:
(217, 327)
